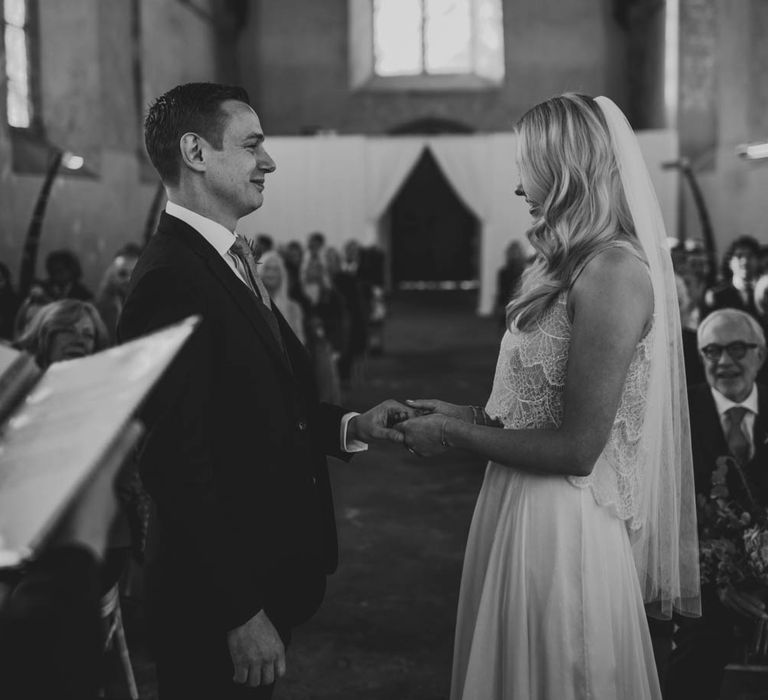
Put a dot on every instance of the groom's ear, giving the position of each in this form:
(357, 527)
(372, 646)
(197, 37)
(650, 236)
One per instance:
(192, 151)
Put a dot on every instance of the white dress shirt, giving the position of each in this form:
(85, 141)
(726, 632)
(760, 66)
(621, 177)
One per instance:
(221, 239)
(747, 423)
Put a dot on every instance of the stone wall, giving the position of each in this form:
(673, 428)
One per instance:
(92, 102)
(295, 63)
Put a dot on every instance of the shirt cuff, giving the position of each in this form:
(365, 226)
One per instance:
(352, 445)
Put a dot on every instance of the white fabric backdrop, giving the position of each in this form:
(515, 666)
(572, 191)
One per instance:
(342, 185)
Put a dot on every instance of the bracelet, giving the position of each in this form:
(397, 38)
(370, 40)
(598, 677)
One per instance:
(443, 441)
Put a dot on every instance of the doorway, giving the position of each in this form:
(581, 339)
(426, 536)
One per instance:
(433, 237)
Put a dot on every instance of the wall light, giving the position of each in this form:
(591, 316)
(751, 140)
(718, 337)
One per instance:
(753, 151)
(71, 161)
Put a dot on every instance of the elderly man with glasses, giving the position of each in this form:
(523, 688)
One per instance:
(729, 416)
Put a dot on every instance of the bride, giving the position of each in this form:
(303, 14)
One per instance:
(587, 509)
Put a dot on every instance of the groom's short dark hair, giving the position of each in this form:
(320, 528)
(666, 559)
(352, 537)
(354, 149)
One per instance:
(190, 107)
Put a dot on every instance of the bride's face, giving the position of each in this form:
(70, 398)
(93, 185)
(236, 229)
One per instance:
(524, 190)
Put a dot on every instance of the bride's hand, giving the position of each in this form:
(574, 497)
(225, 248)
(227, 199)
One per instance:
(444, 408)
(425, 435)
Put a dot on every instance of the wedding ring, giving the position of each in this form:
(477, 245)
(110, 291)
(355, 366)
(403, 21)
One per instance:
(411, 450)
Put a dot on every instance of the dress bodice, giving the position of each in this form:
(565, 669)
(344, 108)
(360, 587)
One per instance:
(528, 394)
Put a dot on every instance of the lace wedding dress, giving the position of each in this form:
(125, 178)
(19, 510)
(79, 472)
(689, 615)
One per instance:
(550, 604)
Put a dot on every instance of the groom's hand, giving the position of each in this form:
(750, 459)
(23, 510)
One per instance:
(257, 652)
(378, 422)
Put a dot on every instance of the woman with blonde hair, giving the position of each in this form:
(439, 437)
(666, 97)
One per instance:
(64, 330)
(275, 277)
(587, 509)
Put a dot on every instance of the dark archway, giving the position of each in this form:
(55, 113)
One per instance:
(434, 238)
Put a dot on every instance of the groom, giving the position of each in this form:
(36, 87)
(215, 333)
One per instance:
(235, 457)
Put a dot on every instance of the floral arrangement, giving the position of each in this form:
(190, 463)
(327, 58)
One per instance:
(733, 533)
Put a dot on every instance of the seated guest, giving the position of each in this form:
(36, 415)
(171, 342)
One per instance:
(64, 330)
(739, 273)
(275, 278)
(113, 288)
(729, 416)
(64, 273)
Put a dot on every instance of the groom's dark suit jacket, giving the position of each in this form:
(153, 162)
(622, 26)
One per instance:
(235, 454)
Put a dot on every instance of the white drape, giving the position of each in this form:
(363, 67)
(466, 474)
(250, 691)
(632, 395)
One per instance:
(343, 186)
(387, 165)
(318, 186)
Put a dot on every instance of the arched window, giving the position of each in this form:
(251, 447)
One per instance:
(426, 44)
(16, 34)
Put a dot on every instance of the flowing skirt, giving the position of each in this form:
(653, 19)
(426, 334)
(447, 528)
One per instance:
(550, 606)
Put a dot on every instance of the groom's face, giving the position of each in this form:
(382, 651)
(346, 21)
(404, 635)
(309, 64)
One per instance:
(236, 172)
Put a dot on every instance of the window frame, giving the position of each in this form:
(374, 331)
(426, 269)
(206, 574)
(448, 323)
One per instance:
(362, 62)
(31, 30)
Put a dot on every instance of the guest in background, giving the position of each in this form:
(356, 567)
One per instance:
(315, 245)
(372, 262)
(113, 288)
(739, 273)
(694, 370)
(64, 330)
(356, 294)
(324, 303)
(508, 279)
(275, 278)
(64, 273)
(698, 276)
(36, 299)
(729, 416)
(9, 303)
(761, 300)
(761, 304)
(264, 244)
(293, 257)
(325, 322)
(762, 262)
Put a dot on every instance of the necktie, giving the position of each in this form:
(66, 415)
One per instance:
(738, 443)
(246, 265)
(243, 255)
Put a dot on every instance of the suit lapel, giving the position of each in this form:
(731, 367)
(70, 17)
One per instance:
(241, 295)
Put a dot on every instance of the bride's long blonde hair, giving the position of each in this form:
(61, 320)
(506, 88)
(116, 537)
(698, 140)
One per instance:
(566, 159)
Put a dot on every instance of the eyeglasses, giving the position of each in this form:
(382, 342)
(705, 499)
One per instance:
(736, 350)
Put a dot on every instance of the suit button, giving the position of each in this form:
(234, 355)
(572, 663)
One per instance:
(302, 426)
